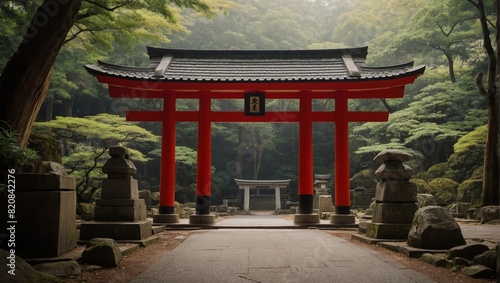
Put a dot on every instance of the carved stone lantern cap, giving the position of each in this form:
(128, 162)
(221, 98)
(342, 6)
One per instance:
(392, 155)
(119, 165)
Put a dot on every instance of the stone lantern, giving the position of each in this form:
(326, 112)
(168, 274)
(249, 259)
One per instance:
(119, 214)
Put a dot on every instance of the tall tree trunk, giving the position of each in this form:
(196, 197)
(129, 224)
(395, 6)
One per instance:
(451, 67)
(490, 93)
(26, 77)
(49, 109)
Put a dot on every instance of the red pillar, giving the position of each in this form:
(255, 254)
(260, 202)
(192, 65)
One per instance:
(305, 155)
(203, 169)
(342, 190)
(167, 166)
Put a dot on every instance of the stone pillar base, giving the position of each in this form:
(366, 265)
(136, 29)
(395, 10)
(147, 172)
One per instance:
(202, 219)
(387, 231)
(306, 218)
(342, 219)
(115, 230)
(165, 218)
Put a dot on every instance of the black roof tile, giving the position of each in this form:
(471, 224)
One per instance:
(254, 65)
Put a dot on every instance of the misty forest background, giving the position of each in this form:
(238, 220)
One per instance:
(441, 120)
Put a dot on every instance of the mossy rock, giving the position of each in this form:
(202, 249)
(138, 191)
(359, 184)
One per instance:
(46, 146)
(437, 171)
(477, 174)
(365, 178)
(470, 191)
(444, 190)
(422, 186)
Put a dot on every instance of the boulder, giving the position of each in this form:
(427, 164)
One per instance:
(479, 271)
(102, 252)
(433, 227)
(85, 211)
(489, 213)
(60, 269)
(467, 251)
(425, 200)
(392, 155)
(54, 168)
(488, 259)
(436, 260)
(23, 272)
(461, 261)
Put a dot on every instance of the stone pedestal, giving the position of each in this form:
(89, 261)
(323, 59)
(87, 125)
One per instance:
(306, 218)
(325, 204)
(202, 219)
(395, 198)
(119, 214)
(342, 219)
(45, 214)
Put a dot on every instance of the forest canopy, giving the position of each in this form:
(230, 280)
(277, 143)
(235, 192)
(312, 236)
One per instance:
(442, 115)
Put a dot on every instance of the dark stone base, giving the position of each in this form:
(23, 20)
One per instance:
(394, 212)
(202, 204)
(115, 230)
(306, 204)
(387, 231)
(120, 210)
(342, 209)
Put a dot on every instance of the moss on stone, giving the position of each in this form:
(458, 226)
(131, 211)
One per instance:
(46, 146)
(444, 190)
(422, 186)
(365, 178)
(470, 191)
(437, 171)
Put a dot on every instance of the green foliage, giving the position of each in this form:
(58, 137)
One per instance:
(422, 186)
(468, 154)
(86, 141)
(12, 156)
(437, 170)
(470, 191)
(433, 118)
(444, 190)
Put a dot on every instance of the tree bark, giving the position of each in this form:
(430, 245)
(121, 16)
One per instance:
(451, 67)
(491, 178)
(26, 77)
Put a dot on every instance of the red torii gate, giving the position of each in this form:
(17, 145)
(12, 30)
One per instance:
(338, 74)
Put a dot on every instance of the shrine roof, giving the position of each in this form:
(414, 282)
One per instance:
(182, 65)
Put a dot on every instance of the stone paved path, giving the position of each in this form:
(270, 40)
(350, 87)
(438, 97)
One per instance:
(275, 255)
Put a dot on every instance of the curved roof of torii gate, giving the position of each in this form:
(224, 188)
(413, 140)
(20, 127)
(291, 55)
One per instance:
(178, 69)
